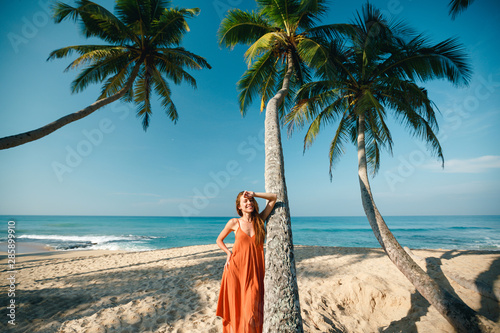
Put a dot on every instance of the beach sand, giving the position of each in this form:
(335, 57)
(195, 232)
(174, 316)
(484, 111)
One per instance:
(176, 290)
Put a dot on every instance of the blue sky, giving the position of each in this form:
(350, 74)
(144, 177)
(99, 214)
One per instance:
(106, 164)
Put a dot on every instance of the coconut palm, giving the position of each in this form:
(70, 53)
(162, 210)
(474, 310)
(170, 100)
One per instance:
(142, 52)
(370, 75)
(458, 6)
(283, 40)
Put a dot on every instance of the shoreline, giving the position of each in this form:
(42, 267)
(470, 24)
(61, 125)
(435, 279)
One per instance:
(26, 247)
(124, 233)
(172, 290)
(33, 248)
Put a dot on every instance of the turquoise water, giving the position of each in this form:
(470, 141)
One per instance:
(146, 233)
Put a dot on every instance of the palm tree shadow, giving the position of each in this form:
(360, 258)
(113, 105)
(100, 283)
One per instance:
(317, 271)
(355, 254)
(419, 308)
(159, 296)
(419, 305)
(484, 285)
(490, 305)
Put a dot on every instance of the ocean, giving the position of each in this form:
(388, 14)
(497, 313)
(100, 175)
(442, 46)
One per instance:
(134, 233)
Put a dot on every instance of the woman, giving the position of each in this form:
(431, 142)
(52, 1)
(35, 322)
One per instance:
(241, 297)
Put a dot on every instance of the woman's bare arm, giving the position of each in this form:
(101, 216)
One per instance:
(230, 226)
(271, 201)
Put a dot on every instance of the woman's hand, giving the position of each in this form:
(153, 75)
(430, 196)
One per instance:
(248, 194)
(226, 265)
(271, 201)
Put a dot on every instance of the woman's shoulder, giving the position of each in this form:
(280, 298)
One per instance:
(233, 223)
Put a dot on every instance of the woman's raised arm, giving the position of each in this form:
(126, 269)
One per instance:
(271, 201)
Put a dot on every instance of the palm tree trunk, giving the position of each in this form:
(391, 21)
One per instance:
(461, 316)
(281, 297)
(22, 138)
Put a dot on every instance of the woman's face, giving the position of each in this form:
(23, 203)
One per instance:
(246, 205)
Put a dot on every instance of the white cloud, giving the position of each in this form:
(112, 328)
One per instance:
(468, 189)
(472, 165)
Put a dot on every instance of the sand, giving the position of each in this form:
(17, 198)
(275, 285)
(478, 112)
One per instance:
(176, 290)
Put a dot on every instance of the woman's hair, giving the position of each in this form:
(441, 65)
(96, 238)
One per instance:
(258, 223)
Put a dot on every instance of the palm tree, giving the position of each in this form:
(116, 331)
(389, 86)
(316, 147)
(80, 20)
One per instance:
(458, 6)
(142, 52)
(283, 40)
(369, 75)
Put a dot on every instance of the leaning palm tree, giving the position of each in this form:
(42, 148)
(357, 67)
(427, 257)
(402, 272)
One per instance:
(283, 39)
(143, 51)
(370, 75)
(458, 6)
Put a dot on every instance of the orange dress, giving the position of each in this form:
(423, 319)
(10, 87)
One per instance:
(241, 297)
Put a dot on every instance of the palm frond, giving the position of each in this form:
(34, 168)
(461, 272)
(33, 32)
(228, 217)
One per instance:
(143, 33)
(255, 78)
(301, 71)
(169, 29)
(64, 11)
(366, 102)
(267, 91)
(96, 20)
(326, 116)
(339, 66)
(284, 14)
(310, 13)
(310, 100)
(79, 49)
(99, 71)
(419, 60)
(98, 55)
(374, 73)
(377, 136)
(331, 32)
(183, 57)
(240, 27)
(313, 52)
(344, 129)
(172, 70)
(300, 75)
(417, 115)
(163, 90)
(267, 42)
(142, 97)
(448, 61)
(458, 6)
(134, 13)
(421, 129)
(372, 156)
(383, 133)
(406, 96)
(116, 82)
